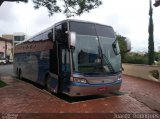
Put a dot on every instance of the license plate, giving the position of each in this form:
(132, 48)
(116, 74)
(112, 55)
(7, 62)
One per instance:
(102, 89)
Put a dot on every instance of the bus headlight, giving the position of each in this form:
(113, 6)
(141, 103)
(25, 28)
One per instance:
(80, 80)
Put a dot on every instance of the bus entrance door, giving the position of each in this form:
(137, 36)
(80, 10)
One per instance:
(65, 70)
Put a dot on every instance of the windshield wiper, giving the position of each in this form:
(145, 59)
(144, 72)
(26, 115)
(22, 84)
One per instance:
(108, 63)
(110, 67)
(99, 48)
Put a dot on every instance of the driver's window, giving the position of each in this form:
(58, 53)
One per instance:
(60, 33)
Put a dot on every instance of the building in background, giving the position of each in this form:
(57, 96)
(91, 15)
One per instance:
(18, 37)
(9, 53)
(6, 47)
(7, 44)
(8, 36)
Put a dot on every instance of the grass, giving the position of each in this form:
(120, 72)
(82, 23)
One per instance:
(2, 84)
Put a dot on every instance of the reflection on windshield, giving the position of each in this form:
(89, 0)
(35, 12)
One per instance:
(86, 58)
(110, 53)
(85, 53)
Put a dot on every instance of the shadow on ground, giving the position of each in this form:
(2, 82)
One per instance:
(87, 98)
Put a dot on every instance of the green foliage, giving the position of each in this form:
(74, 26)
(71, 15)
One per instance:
(122, 45)
(138, 58)
(77, 7)
(157, 56)
(2, 84)
(135, 58)
(1, 1)
(150, 39)
(68, 7)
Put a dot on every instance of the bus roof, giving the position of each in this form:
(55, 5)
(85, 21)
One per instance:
(67, 20)
(81, 21)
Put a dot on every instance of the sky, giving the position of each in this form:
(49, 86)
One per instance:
(129, 18)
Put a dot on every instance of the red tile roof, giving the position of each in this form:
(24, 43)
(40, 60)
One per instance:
(3, 39)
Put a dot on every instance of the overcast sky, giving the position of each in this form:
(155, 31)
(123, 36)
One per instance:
(128, 18)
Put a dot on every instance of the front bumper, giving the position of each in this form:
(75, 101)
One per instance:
(79, 89)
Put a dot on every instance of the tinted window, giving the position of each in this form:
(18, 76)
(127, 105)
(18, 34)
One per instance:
(58, 30)
(46, 35)
(60, 33)
(82, 28)
(19, 38)
(105, 31)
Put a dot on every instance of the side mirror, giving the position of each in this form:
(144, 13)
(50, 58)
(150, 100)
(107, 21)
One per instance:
(128, 44)
(116, 48)
(72, 38)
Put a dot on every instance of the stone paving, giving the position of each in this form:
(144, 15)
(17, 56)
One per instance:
(145, 91)
(22, 97)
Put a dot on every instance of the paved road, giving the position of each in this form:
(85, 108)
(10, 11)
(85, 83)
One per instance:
(22, 97)
(6, 70)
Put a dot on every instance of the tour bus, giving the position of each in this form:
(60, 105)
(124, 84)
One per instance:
(74, 57)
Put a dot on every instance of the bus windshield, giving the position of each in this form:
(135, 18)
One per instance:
(90, 39)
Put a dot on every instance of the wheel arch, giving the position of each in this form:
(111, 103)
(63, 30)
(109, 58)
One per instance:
(45, 78)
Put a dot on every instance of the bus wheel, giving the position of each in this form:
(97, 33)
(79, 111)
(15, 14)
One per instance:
(19, 74)
(48, 83)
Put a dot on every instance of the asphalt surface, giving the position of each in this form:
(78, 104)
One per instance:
(6, 70)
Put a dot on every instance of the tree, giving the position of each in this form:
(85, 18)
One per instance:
(1, 1)
(150, 39)
(157, 3)
(122, 45)
(68, 7)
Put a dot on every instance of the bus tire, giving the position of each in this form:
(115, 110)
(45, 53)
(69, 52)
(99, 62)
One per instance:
(19, 74)
(47, 84)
